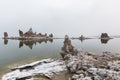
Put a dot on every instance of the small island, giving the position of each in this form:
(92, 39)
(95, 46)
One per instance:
(29, 35)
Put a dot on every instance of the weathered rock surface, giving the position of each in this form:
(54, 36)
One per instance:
(81, 65)
(21, 33)
(86, 66)
(5, 35)
(104, 35)
(105, 38)
(45, 68)
(29, 35)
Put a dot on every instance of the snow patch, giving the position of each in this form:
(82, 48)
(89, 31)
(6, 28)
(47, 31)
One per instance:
(48, 68)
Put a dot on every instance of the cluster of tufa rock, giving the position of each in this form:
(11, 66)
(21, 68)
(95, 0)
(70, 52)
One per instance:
(67, 48)
(30, 33)
(88, 66)
(27, 34)
(104, 35)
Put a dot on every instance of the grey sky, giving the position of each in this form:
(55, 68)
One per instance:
(72, 17)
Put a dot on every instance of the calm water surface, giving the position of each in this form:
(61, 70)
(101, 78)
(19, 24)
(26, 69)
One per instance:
(15, 51)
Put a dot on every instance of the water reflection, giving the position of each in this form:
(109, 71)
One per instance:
(5, 41)
(29, 43)
(104, 41)
(9, 54)
(81, 40)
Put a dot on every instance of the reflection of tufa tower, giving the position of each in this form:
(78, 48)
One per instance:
(104, 41)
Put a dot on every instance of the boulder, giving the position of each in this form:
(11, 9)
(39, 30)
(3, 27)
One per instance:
(51, 35)
(104, 35)
(84, 66)
(20, 33)
(5, 35)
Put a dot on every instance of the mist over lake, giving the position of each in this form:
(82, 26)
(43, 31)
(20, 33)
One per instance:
(60, 17)
(32, 30)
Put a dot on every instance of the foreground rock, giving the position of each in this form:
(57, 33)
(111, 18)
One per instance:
(44, 68)
(87, 66)
(81, 65)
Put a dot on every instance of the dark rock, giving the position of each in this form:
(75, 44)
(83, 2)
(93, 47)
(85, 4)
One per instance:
(81, 38)
(116, 69)
(21, 33)
(51, 35)
(96, 78)
(63, 54)
(24, 68)
(104, 35)
(5, 35)
(29, 33)
(102, 66)
(45, 34)
(102, 75)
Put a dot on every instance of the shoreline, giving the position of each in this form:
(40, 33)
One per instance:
(80, 65)
(45, 67)
(7, 68)
(86, 56)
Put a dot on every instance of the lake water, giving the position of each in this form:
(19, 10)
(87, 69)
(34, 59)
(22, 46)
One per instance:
(19, 52)
(60, 17)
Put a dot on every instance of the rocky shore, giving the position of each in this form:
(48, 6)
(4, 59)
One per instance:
(88, 66)
(80, 65)
(45, 69)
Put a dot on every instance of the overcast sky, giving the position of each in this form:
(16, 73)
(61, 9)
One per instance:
(72, 17)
